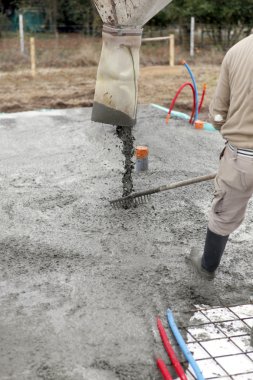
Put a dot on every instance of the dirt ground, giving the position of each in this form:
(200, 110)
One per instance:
(81, 283)
(74, 87)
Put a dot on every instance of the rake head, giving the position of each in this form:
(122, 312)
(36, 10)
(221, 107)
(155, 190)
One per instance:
(129, 201)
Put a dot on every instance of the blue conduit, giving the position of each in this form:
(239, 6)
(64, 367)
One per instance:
(207, 126)
(196, 91)
(183, 346)
(180, 115)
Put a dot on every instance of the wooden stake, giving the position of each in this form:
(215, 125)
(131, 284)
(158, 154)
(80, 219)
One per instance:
(33, 56)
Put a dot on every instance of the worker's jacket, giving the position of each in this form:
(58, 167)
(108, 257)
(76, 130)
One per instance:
(231, 110)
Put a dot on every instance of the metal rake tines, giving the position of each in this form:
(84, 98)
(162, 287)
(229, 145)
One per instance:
(129, 201)
(121, 203)
(141, 199)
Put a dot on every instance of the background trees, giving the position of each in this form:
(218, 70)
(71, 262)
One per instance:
(223, 20)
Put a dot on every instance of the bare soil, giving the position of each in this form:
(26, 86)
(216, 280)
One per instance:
(74, 87)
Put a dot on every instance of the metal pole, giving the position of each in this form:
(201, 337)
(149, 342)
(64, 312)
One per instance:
(21, 34)
(192, 36)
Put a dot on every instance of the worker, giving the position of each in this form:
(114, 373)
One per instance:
(231, 112)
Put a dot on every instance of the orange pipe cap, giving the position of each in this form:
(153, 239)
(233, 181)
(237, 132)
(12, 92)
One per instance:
(141, 151)
(199, 124)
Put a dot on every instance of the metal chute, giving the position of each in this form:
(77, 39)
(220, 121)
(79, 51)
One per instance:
(128, 12)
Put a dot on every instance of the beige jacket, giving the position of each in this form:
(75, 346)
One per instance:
(231, 110)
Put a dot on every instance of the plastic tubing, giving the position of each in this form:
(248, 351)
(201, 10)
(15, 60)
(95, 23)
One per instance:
(207, 126)
(168, 348)
(202, 97)
(175, 98)
(183, 346)
(163, 369)
(195, 89)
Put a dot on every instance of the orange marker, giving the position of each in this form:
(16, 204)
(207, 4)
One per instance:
(199, 124)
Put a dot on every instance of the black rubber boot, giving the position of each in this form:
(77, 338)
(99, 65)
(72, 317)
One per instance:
(214, 247)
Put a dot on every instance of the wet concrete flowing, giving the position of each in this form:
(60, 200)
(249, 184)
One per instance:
(126, 136)
(81, 283)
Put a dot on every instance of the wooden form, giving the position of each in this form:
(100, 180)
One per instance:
(171, 38)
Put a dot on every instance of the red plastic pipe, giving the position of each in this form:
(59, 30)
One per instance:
(202, 97)
(175, 98)
(178, 368)
(163, 369)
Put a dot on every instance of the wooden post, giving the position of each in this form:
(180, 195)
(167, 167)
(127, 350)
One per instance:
(172, 50)
(33, 57)
(21, 33)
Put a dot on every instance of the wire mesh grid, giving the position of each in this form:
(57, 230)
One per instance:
(219, 340)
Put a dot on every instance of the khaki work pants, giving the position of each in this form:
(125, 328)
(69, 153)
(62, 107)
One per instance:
(233, 189)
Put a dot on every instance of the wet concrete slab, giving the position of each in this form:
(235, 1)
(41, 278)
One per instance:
(81, 283)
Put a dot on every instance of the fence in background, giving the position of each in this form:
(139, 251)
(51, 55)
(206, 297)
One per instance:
(191, 42)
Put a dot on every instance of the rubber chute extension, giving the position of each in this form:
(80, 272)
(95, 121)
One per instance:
(115, 100)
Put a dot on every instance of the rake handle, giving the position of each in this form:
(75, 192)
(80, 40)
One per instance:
(174, 185)
(168, 187)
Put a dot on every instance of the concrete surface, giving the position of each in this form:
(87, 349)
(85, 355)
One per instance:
(81, 283)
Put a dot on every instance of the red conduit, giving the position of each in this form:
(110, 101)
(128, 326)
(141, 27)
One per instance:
(178, 368)
(202, 97)
(175, 98)
(194, 101)
(163, 369)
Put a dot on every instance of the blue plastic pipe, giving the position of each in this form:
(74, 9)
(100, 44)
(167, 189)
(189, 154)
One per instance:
(180, 115)
(207, 126)
(195, 89)
(183, 346)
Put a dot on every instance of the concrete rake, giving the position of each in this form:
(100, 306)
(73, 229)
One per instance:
(143, 196)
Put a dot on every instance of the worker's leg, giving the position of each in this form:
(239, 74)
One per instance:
(233, 189)
(214, 247)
